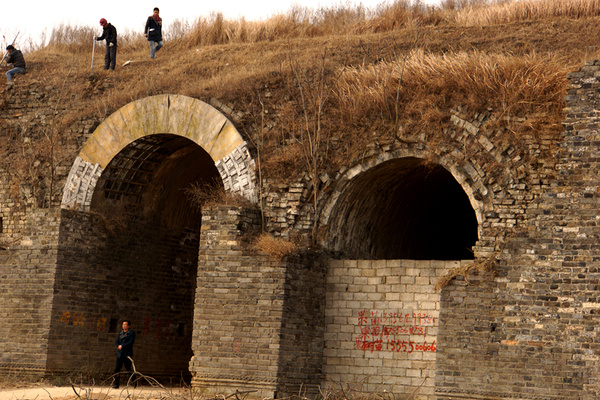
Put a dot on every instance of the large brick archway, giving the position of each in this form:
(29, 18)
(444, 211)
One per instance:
(128, 235)
(162, 114)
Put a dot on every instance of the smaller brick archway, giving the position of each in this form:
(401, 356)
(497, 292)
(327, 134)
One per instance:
(397, 222)
(402, 207)
(163, 114)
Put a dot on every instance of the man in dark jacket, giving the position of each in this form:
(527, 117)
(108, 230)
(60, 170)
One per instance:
(109, 34)
(153, 32)
(15, 57)
(125, 340)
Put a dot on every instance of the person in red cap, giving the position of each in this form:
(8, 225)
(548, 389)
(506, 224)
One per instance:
(109, 34)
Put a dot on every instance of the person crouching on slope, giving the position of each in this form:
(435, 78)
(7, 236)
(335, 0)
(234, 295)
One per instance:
(15, 57)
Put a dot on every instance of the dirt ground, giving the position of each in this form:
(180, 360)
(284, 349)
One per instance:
(41, 392)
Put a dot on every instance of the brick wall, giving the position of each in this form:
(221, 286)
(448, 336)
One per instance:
(303, 326)
(29, 220)
(238, 308)
(382, 321)
(144, 272)
(27, 287)
(258, 322)
(532, 332)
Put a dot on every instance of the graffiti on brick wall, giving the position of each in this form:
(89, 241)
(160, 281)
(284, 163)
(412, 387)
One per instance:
(80, 319)
(395, 331)
(160, 328)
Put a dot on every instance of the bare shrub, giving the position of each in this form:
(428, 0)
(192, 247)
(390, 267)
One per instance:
(211, 195)
(275, 247)
(177, 29)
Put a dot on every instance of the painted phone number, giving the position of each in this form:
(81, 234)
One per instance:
(404, 346)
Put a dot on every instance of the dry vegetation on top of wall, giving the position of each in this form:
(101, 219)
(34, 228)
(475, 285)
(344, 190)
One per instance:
(341, 78)
(485, 269)
(275, 247)
(205, 196)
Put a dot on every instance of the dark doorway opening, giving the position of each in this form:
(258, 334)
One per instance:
(404, 209)
(134, 256)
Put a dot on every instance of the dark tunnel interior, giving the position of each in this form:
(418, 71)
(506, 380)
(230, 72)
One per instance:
(151, 179)
(144, 242)
(404, 209)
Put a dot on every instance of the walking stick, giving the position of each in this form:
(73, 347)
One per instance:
(93, 51)
(13, 42)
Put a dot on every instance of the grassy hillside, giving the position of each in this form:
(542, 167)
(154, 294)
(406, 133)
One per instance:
(315, 87)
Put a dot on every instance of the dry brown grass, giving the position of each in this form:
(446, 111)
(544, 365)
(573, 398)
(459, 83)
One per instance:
(341, 19)
(502, 12)
(301, 21)
(205, 196)
(511, 85)
(275, 247)
(514, 68)
(484, 269)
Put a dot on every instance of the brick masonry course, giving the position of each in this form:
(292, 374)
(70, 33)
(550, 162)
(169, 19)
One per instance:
(238, 319)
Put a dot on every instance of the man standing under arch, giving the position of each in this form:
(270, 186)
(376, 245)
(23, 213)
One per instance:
(124, 342)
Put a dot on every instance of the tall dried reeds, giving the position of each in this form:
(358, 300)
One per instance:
(502, 12)
(75, 39)
(72, 38)
(512, 85)
(306, 22)
(341, 19)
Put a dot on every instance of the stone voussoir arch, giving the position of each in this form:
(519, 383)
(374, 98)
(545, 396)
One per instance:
(162, 114)
(471, 175)
(476, 191)
(483, 165)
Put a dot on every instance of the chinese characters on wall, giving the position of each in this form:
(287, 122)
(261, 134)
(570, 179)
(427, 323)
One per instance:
(395, 331)
(161, 329)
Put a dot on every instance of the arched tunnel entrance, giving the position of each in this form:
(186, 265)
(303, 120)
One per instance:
(145, 194)
(140, 255)
(404, 209)
(397, 227)
(129, 234)
(153, 179)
